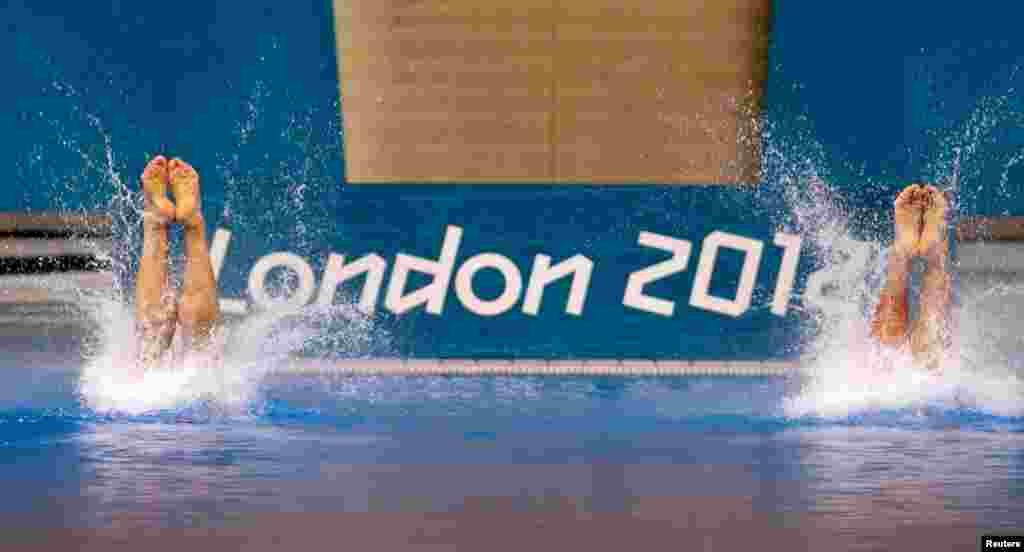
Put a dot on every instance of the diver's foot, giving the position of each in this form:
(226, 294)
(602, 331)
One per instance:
(909, 207)
(933, 242)
(185, 185)
(158, 209)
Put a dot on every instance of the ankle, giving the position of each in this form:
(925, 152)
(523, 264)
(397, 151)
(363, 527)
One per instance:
(897, 274)
(151, 220)
(937, 255)
(900, 254)
(193, 221)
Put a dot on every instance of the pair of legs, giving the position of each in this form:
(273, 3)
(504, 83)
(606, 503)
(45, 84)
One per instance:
(920, 232)
(158, 313)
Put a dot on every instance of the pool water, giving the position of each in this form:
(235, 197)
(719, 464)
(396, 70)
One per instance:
(495, 463)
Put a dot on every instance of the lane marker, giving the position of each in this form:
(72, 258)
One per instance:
(536, 367)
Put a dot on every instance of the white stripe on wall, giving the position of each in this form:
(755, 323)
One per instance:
(57, 287)
(990, 257)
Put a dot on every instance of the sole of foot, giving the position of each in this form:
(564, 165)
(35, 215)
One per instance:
(185, 187)
(933, 224)
(909, 208)
(154, 187)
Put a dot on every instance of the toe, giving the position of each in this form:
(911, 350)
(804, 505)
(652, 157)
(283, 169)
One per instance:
(156, 168)
(185, 187)
(903, 197)
(909, 196)
(180, 169)
(936, 198)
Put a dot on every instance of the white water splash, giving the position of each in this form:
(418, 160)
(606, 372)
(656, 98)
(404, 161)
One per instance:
(843, 374)
(250, 348)
(113, 381)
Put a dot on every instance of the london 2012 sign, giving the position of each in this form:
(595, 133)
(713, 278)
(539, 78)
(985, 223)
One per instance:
(516, 290)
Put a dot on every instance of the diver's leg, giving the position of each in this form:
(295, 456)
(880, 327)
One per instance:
(198, 309)
(154, 301)
(891, 320)
(889, 325)
(930, 335)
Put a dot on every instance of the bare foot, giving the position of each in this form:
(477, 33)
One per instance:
(933, 233)
(185, 185)
(909, 207)
(154, 188)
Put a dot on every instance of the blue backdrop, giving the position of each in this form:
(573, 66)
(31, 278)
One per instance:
(868, 96)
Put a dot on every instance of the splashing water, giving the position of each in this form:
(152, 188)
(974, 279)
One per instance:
(846, 247)
(229, 382)
(111, 381)
(844, 375)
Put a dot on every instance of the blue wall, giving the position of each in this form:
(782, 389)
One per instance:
(892, 89)
(873, 94)
(206, 81)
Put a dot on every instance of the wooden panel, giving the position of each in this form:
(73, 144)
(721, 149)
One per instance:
(14, 224)
(652, 91)
(990, 228)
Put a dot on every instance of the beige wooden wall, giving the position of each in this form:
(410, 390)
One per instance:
(542, 91)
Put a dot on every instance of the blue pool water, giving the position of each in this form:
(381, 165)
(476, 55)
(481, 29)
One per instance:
(496, 463)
